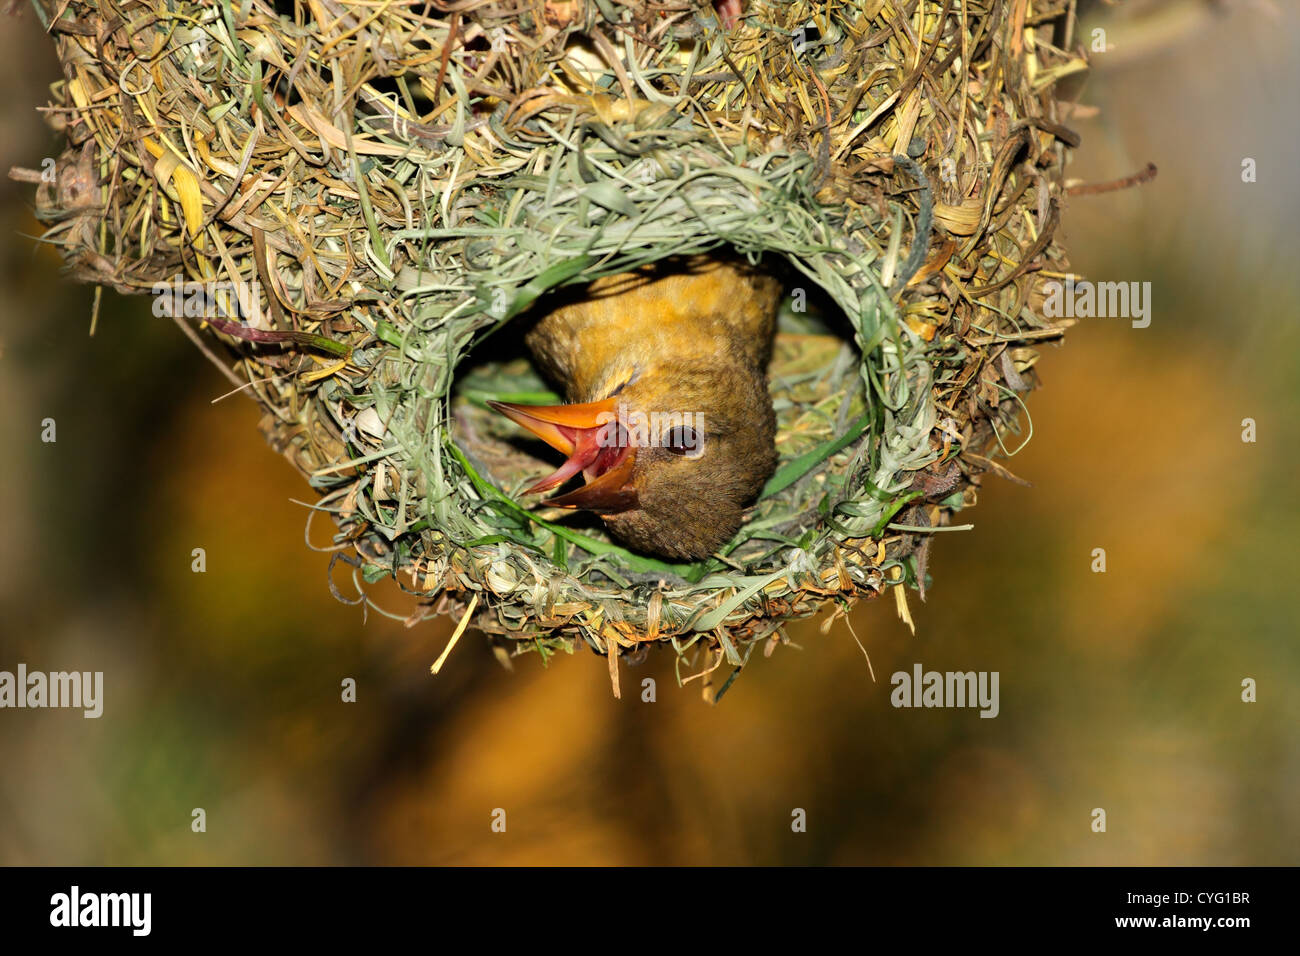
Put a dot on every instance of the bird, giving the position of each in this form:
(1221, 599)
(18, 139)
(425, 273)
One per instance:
(668, 414)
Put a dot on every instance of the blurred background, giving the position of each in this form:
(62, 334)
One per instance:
(1119, 690)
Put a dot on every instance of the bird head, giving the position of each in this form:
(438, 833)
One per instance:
(671, 457)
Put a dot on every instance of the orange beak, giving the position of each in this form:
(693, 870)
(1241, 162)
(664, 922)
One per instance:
(596, 445)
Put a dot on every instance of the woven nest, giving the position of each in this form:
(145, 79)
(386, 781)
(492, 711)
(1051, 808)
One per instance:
(397, 182)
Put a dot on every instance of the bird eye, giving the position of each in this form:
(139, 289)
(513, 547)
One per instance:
(682, 440)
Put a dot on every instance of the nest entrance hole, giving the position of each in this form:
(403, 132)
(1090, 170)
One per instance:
(815, 386)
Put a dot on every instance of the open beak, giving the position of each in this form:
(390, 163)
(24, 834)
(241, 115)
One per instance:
(587, 433)
(607, 493)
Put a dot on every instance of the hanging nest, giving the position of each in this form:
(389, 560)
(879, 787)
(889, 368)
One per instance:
(397, 182)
